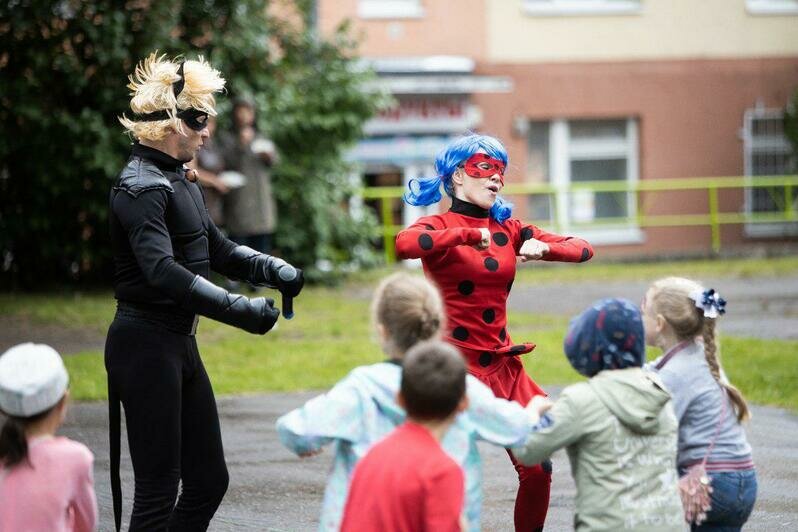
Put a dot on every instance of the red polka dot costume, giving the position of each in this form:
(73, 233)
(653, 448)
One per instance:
(475, 285)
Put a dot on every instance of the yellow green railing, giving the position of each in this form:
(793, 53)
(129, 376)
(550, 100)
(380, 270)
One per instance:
(713, 218)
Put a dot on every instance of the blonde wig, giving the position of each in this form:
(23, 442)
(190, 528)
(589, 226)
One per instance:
(151, 87)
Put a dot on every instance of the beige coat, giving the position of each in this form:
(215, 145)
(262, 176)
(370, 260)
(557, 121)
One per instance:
(620, 434)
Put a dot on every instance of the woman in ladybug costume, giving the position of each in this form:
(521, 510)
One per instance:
(470, 253)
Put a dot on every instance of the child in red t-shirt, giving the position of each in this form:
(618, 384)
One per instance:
(406, 483)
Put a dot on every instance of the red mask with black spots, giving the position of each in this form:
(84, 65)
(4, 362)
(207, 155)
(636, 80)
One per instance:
(483, 166)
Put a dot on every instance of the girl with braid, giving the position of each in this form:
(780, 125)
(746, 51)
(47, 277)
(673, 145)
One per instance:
(680, 318)
(470, 253)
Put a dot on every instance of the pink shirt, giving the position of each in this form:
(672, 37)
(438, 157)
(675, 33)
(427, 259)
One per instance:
(56, 494)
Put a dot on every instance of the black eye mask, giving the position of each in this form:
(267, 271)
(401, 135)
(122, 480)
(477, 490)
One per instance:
(193, 118)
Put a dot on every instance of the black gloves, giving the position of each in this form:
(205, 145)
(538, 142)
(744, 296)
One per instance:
(257, 315)
(290, 280)
(265, 270)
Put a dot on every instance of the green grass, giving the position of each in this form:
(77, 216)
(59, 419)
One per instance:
(94, 310)
(331, 334)
(764, 370)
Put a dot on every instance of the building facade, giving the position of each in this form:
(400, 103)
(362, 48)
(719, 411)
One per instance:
(591, 90)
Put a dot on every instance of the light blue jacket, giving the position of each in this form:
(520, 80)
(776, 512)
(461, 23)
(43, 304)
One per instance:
(361, 410)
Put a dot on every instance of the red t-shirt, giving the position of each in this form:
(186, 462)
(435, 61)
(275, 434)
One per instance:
(405, 483)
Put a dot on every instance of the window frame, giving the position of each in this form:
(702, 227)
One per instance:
(563, 150)
(750, 147)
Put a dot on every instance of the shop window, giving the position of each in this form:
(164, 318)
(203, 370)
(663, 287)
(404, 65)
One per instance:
(767, 153)
(390, 9)
(581, 7)
(567, 152)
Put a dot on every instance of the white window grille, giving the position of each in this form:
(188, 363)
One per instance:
(567, 152)
(767, 153)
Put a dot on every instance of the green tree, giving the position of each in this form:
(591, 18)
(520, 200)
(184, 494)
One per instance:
(63, 66)
(313, 91)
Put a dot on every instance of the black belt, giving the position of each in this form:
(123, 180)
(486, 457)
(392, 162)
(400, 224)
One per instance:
(171, 318)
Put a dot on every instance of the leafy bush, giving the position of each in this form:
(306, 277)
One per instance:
(317, 109)
(63, 67)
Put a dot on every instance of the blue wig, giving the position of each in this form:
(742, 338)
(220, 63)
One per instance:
(426, 191)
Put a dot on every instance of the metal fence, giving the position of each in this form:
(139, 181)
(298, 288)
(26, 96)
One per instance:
(781, 189)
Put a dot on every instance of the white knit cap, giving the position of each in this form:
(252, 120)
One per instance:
(32, 379)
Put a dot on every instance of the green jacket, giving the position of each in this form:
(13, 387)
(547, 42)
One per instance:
(621, 434)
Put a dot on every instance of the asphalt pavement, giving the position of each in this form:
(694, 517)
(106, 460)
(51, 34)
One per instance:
(759, 307)
(273, 490)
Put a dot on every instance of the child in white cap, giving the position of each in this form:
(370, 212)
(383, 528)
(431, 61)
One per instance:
(46, 482)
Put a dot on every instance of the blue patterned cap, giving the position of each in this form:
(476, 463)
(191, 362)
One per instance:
(608, 335)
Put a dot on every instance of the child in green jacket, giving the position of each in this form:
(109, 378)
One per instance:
(618, 427)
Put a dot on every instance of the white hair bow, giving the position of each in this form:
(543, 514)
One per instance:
(710, 302)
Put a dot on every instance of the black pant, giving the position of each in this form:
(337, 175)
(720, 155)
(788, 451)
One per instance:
(172, 424)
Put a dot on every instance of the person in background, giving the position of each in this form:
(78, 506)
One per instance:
(250, 210)
(618, 427)
(680, 318)
(407, 482)
(209, 163)
(46, 481)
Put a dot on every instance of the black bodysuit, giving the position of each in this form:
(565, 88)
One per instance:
(165, 246)
(163, 239)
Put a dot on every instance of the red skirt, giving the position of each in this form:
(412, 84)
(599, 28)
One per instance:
(503, 373)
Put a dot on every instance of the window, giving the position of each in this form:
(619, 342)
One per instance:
(390, 9)
(767, 153)
(564, 153)
(582, 7)
(772, 7)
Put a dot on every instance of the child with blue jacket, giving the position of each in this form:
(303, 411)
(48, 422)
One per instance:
(362, 408)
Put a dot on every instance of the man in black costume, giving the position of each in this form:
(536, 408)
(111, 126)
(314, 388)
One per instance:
(165, 245)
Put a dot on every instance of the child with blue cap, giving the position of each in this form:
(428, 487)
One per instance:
(618, 426)
(46, 481)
